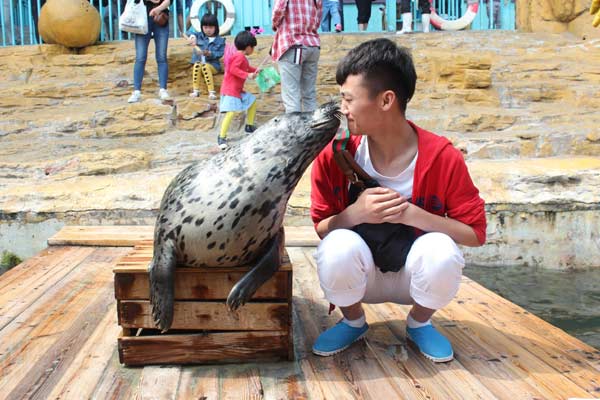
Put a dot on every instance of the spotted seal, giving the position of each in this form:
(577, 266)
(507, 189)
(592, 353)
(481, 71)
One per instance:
(228, 210)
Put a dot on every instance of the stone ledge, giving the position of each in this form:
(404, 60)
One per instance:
(530, 184)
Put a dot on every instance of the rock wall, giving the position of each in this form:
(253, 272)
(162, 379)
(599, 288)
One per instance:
(522, 107)
(556, 16)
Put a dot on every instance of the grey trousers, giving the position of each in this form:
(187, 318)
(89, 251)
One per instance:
(298, 68)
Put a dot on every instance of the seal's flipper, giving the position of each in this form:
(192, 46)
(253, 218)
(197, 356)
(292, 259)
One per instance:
(162, 284)
(264, 269)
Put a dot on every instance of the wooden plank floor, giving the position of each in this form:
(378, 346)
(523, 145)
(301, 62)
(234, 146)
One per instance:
(58, 336)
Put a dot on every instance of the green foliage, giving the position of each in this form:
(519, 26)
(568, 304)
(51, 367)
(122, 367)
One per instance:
(8, 260)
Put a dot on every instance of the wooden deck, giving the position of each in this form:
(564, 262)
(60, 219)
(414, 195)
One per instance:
(58, 339)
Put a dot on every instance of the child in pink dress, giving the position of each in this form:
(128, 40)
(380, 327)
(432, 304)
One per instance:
(233, 97)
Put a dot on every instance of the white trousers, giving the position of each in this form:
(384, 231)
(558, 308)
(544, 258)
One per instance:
(348, 275)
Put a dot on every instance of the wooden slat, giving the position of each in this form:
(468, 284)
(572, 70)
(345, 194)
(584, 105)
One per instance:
(112, 235)
(203, 348)
(497, 309)
(199, 383)
(60, 342)
(358, 366)
(241, 382)
(117, 382)
(484, 357)
(208, 315)
(412, 383)
(36, 265)
(84, 372)
(403, 362)
(129, 235)
(282, 380)
(476, 358)
(141, 266)
(572, 367)
(138, 260)
(159, 383)
(25, 322)
(34, 278)
(531, 369)
(301, 236)
(584, 378)
(189, 286)
(40, 344)
(322, 377)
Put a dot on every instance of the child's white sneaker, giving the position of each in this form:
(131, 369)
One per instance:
(212, 95)
(163, 94)
(195, 93)
(135, 97)
(222, 142)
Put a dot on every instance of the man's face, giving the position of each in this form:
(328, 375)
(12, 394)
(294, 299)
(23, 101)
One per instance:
(360, 110)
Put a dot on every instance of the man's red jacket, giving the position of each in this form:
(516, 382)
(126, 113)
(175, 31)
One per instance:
(441, 185)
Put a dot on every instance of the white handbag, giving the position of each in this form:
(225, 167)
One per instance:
(134, 18)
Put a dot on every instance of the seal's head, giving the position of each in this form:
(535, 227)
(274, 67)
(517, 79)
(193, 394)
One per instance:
(301, 133)
(326, 117)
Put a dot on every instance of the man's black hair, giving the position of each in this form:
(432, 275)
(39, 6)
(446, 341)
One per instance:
(244, 39)
(383, 66)
(210, 20)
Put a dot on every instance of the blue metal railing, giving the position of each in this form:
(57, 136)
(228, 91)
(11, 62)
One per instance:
(492, 14)
(18, 18)
(16, 21)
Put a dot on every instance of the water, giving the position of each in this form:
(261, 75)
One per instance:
(569, 300)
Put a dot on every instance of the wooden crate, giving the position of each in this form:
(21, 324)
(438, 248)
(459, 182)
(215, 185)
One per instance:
(203, 329)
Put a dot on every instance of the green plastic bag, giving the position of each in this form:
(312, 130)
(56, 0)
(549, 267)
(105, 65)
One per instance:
(267, 78)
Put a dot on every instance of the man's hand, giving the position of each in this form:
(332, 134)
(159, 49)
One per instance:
(595, 10)
(378, 205)
(154, 12)
(192, 40)
(252, 75)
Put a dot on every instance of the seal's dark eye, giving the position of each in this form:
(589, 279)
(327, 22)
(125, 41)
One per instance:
(276, 119)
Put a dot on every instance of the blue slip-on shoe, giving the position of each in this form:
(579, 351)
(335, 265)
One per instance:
(431, 343)
(337, 338)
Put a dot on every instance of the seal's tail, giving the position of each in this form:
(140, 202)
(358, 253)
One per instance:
(162, 284)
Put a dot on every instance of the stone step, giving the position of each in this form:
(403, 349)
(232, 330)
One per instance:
(104, 126)
(523, 143)
(119, 180)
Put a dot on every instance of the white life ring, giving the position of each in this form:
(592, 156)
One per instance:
(457, 24)
(229, 15)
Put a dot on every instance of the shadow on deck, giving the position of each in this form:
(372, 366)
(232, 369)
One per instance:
(58, 339)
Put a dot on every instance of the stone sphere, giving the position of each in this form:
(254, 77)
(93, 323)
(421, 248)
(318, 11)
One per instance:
(72, 23)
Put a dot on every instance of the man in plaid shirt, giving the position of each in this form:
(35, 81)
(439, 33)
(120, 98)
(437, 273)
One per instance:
(297, 49)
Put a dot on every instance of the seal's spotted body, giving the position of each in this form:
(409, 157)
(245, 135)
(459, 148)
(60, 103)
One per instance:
(228, 210)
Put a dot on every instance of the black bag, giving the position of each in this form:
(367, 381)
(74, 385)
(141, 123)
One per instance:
(389, 243)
